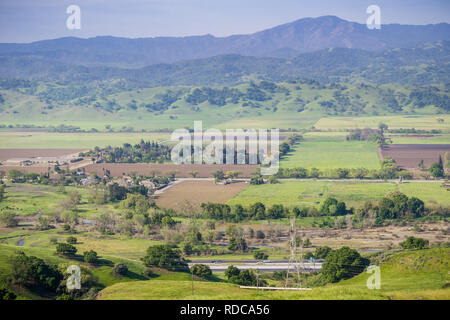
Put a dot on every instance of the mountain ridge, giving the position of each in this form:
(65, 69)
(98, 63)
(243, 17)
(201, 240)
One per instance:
(300, 36)
(423, 65)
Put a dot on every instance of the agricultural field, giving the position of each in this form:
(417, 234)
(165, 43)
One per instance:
(180, 170)
(80, 141)
(408, 156)
(419, 138)
(311, 193)
(329, 152)
(425, 122)
(196, 192)
(6, 154)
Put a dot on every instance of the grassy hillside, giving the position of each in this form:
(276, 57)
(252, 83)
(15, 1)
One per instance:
(405, 275)
(292, 104)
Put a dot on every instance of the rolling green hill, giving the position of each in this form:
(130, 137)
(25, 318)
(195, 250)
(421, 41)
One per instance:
(291, 104)
(405, 275)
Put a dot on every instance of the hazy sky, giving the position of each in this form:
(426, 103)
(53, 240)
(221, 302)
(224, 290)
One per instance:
(31, 20)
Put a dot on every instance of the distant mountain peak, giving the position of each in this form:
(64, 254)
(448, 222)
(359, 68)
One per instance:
(286, 40)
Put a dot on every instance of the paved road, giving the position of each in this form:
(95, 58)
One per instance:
(266, 267)
(218, 261)
(313, 179)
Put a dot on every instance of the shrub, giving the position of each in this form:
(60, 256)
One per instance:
(201, 270)
(259, 255)
(90, 256)
(6, 294)
(343, 263)
(260, 234)
(65, 249)
(232, 271)
(237, 244)
(32, 272)
(244, 278)
(71, 240)
(414, 243)
(120, 269)
(148, 273)
(322, 252)
(8, 219)
(165, 256)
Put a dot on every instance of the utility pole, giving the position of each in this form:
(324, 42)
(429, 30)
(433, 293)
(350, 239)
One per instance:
(293, 249)
(192, 280)
(257, 282)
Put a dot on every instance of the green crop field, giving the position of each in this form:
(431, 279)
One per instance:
(312, 193)
(415, 139)
(425, 122)
(406, 275)
(49, 140)
(324, 153)
(431, 192)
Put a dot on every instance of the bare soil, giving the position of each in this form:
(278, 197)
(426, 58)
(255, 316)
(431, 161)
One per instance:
(196, 192)
(408, 156)
(182, 170)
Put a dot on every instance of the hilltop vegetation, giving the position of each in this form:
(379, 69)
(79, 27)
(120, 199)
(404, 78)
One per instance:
(171, 107)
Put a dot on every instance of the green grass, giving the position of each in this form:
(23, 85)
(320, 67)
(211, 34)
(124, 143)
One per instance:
(405, 275)
(429, 192)
(332, 152)
(30, 199)
(411, 139)
(423, 122)
(312, 193)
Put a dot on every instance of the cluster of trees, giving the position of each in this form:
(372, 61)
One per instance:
(286, 146)
(389, 170)
(244, 277)
(201, 270)
(34, 273)
(395, 205)
(165, 256)
(319, 253)
(368, 134)
(258, 211)
(260, 255)
(437, 168)
(139, 215)
(162, 102)
(143, 152)
(429, 95)
(17, 176)
(340, 264)
(333, 207)
(414, 243)
(237, 213)
(218, 97)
